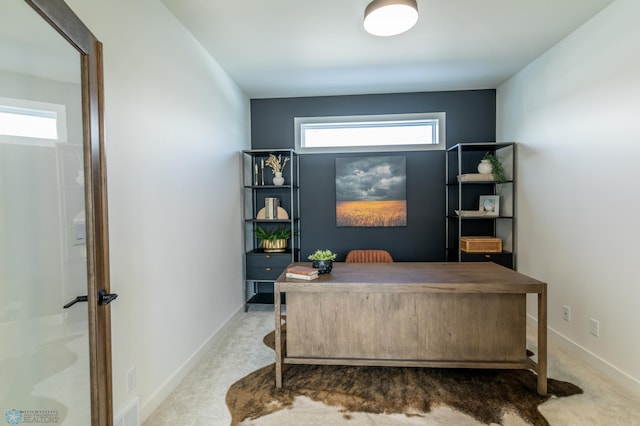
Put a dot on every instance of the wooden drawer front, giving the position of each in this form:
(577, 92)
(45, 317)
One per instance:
(504, 259)
(265, 266)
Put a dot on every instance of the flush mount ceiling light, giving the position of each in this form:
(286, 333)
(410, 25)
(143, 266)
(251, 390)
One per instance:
(390, 17)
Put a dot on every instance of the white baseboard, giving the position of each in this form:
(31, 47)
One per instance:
(165, 390)
(609, 370)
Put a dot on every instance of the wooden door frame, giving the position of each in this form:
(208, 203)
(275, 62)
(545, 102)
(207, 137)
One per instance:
(58, 14)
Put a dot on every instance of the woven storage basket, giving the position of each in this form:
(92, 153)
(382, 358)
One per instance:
(481, 244)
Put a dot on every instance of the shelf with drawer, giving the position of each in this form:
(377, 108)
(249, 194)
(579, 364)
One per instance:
(262, 266)
(269, 208)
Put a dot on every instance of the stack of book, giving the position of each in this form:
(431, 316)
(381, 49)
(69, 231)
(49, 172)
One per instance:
(271, 205)
(302, 273)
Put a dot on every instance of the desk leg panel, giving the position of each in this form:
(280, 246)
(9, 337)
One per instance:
(542, 341)
(278, 333)
(409, 326)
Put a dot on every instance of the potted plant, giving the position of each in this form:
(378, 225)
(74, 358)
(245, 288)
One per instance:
(277, 164)
(322, 260)
(499, 175)
(274, 240)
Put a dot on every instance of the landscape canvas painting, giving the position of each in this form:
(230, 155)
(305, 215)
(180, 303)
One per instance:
(371, 191)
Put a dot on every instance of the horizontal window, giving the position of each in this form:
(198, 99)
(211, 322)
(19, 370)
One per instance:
(395, 132)
(31, 123)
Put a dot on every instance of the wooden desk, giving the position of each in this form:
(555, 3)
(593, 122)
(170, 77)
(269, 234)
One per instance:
(411, 314)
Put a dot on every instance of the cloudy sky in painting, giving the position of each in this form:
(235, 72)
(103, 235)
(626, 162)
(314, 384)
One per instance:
(371, 178)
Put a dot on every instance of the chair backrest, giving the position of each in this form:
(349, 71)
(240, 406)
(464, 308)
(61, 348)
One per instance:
(369, 256)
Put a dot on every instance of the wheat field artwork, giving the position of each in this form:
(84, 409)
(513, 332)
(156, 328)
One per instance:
(371, 191)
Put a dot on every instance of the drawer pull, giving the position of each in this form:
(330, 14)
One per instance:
(487, 256)
(267, 269)
(268, 256)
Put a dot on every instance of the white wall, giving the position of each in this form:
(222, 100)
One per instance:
(174, 125)
(575, 113)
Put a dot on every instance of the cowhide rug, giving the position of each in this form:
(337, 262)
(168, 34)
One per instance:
(485, 395)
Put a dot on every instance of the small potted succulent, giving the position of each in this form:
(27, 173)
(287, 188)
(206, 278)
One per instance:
(322, 260)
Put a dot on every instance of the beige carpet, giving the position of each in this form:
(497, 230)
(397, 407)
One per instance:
(200, 398)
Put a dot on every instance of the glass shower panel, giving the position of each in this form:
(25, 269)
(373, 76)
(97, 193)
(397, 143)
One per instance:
(44, 361)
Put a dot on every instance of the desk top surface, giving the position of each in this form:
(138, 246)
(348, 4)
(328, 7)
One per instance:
(430, 276)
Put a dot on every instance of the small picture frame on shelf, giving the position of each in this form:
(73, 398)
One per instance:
(490, 205)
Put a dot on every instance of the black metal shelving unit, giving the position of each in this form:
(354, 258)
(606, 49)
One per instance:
(262, 268)
(463, 159)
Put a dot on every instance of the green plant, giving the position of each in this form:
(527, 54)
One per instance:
(497, 170)
(322, 255)
(281, 233)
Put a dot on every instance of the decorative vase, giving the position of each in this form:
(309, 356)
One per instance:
(485, 166)
(278, 179)
(323, 266)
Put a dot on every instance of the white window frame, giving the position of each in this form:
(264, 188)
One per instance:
(35, 108)
(367, 122)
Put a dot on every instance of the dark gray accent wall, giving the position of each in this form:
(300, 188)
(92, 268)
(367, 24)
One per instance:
(470, 117)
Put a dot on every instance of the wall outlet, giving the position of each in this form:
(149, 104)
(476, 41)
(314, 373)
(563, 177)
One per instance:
(566, 313)
(594, 327)
(131, 379)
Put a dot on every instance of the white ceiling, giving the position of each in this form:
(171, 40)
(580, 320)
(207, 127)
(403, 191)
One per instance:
(282, 48)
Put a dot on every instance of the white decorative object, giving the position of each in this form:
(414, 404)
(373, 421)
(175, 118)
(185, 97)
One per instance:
(485, 166)
(278, 179)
